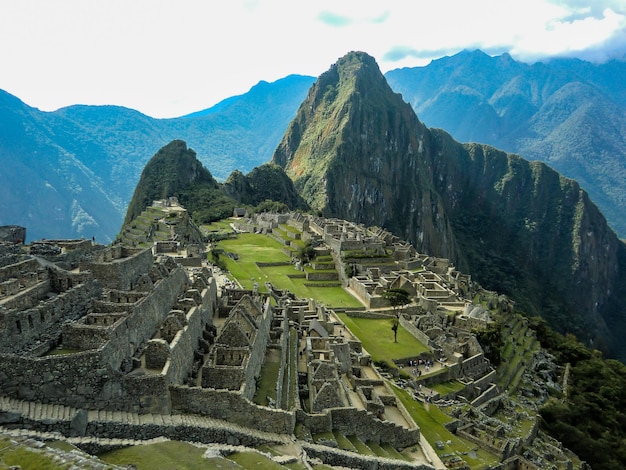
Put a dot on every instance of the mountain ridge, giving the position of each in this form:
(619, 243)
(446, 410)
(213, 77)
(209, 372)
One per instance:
(519, 227)
(568, 113)
(114, 143)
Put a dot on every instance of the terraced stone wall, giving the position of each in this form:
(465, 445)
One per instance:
(186, 340)
(93, 379)
(257, 353)
(232, 407)
(361, 423)
(19, 328)
(119, 267)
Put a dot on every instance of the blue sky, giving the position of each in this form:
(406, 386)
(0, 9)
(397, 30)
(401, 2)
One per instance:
(167, 58)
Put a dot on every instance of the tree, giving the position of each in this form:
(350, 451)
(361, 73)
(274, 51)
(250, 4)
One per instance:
(398, 298)
(306, 253)
(394, 327)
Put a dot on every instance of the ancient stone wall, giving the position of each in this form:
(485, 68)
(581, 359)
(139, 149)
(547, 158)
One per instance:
(315, 422)
(257, 353)
(84, 337)
(117, 271)
(491, 392)
(19, 269)
(186, 340)
(284, 364)
(70, 379)
(484, 382)
(93, 378)
(322, 276)
(415, 331)
(232, 407)
(144, 319)
(475, 366)
(12, 234)
(21, 327)
(352, 421)
(347, 459)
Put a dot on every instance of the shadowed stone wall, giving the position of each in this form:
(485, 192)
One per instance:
(232, 407)
(119, 267)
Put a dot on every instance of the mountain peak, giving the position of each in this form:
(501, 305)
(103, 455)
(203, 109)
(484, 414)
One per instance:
(351, 145)
(355, 70)
(173, 169)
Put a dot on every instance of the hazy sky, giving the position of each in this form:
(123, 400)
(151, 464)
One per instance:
(167, 58)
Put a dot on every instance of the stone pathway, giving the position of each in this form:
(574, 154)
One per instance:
(49, 416)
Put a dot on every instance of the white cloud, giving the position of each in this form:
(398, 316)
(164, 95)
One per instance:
(171, 57)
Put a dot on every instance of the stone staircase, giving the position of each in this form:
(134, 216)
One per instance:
(121, 428)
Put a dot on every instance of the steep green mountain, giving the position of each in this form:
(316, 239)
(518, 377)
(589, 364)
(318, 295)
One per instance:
(267, 182)
(333, 152)
(176, 171)
(72, 172)
(568, 113)
(356, 151)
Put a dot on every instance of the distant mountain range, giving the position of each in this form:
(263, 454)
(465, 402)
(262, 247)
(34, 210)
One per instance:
(72, 172)
(568, 113)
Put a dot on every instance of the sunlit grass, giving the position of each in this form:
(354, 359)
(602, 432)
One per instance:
(252, 248)
(25, 458)
(169, 455)
(431, 421)
(376, 336)
(268, 378)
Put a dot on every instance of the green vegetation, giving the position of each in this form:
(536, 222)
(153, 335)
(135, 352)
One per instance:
(173, 169)
(591, 420)
(169, 455)
(254, 460)
(432, 420)
(398, 298)
(256, 248)
(448, 387)
(26, 458)
(377, 338)
(492, 342)
(267, 187)
(269, 376)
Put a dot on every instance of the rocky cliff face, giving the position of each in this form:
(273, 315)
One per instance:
(356, 151)
(527, 231)
(350, 149)
(568, 113)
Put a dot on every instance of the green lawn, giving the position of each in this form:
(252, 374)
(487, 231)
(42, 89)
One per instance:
(431, 420)
(163, 455)
(448, 387)
(251, 248)
(377, 338)
(268, 378)
(25, 458)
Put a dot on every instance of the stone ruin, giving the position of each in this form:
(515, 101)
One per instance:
(141, 331)
(131, 331)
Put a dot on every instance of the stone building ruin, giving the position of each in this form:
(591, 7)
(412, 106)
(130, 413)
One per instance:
(137, 341)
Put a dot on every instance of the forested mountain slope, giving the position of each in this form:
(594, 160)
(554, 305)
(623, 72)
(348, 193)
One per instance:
(568, 113)
(357, 151)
